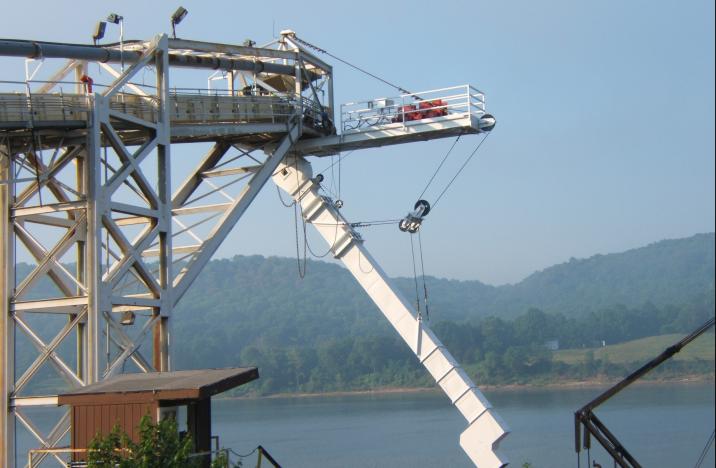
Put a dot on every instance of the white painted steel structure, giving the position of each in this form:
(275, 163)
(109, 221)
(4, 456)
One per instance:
(86, 191)
(485, 428)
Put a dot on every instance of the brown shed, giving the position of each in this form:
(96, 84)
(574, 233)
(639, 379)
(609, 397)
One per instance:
(126, 398)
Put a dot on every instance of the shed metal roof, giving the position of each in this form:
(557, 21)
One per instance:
(161, 386)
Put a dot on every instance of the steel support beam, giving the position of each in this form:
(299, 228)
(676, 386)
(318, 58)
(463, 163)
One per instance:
(188, 274)
(7, 327)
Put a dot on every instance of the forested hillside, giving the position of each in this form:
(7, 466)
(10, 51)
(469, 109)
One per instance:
(255, 299)
(666, 272)
(323, 333)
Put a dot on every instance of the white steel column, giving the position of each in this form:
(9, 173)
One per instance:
(97, 298)
(97, 223)
(485, 428)
(161, 351)
(7, 330)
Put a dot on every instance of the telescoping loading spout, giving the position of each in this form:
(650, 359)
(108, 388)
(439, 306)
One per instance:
(485, 429)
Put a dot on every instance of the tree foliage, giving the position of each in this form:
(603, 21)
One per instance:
(159, 446)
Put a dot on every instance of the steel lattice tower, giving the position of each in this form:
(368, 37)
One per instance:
(86, 192)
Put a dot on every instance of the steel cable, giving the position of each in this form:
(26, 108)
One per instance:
(460, 170)
(439, 166)
(422, 271)
(705, 451)
(324, 51)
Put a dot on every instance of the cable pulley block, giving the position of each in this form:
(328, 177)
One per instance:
(487, 123)
(412, 222)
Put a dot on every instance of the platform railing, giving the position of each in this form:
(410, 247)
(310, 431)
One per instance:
(220, 456)
(21, 103)
(406, 109)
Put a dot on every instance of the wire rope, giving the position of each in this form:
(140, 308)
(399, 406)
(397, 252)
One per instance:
(301, 271)
(415, 278)
(422, 272)
(439, 166)
(360, 267)
(280, 198)
(356, 67)
(361, 224)
(705, 451)
(333, 175)
(335, 188)
(241, 455)
(308, 244)
(460, 170)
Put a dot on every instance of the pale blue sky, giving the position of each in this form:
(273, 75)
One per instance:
(605, 134)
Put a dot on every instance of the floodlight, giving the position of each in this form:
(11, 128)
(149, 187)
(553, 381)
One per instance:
(114, 18)
(179, 15)
(127, 318)
(99, 31)
(177, 18)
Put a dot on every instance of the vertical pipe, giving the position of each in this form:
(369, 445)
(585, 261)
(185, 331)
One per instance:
(80, 272)
(161, 356)
(95, 209)
(331, 106)
(298, 88)
(231, 78)
(7, 331)
(83, 267)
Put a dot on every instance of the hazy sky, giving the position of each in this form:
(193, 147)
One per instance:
(605, 134)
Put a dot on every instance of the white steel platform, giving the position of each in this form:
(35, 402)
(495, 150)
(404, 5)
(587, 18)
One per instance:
(392, 134)
(206, 117)
(426, 115)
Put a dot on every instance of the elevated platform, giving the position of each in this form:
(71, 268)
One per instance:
(392, 134)
(18, 110)
(426, 115)
(260, 120)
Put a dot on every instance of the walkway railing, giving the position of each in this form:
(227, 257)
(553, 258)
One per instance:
(21, 103)
(222, 457)
(414, 107)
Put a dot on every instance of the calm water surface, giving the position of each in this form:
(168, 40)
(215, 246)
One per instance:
(662, 425)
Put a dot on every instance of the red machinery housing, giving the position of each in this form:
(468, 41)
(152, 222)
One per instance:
(424, 110)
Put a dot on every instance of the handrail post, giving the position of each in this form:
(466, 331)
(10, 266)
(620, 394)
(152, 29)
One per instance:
(469, 102)
(343, 129)
(402, 109)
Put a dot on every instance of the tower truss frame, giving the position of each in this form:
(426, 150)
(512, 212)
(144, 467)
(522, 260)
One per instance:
(118, 248)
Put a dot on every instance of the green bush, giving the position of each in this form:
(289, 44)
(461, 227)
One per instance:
(159, 446)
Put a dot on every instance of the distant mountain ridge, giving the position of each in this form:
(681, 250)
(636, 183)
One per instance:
(254, 299)
(666, 272)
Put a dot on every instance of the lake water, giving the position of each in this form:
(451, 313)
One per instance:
(661, 425)
(664, 425)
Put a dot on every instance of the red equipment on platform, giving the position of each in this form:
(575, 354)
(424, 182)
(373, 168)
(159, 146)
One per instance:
(424, 110)
(88, 83)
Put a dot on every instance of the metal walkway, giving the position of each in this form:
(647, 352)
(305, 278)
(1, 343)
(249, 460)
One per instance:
(252, 119)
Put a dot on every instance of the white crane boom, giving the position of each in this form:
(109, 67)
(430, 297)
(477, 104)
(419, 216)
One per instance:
(485, 428)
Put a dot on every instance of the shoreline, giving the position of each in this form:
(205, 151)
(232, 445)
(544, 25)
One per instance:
(565, 385)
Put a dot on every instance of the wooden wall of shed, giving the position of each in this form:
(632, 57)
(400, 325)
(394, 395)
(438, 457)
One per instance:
(90, 420)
